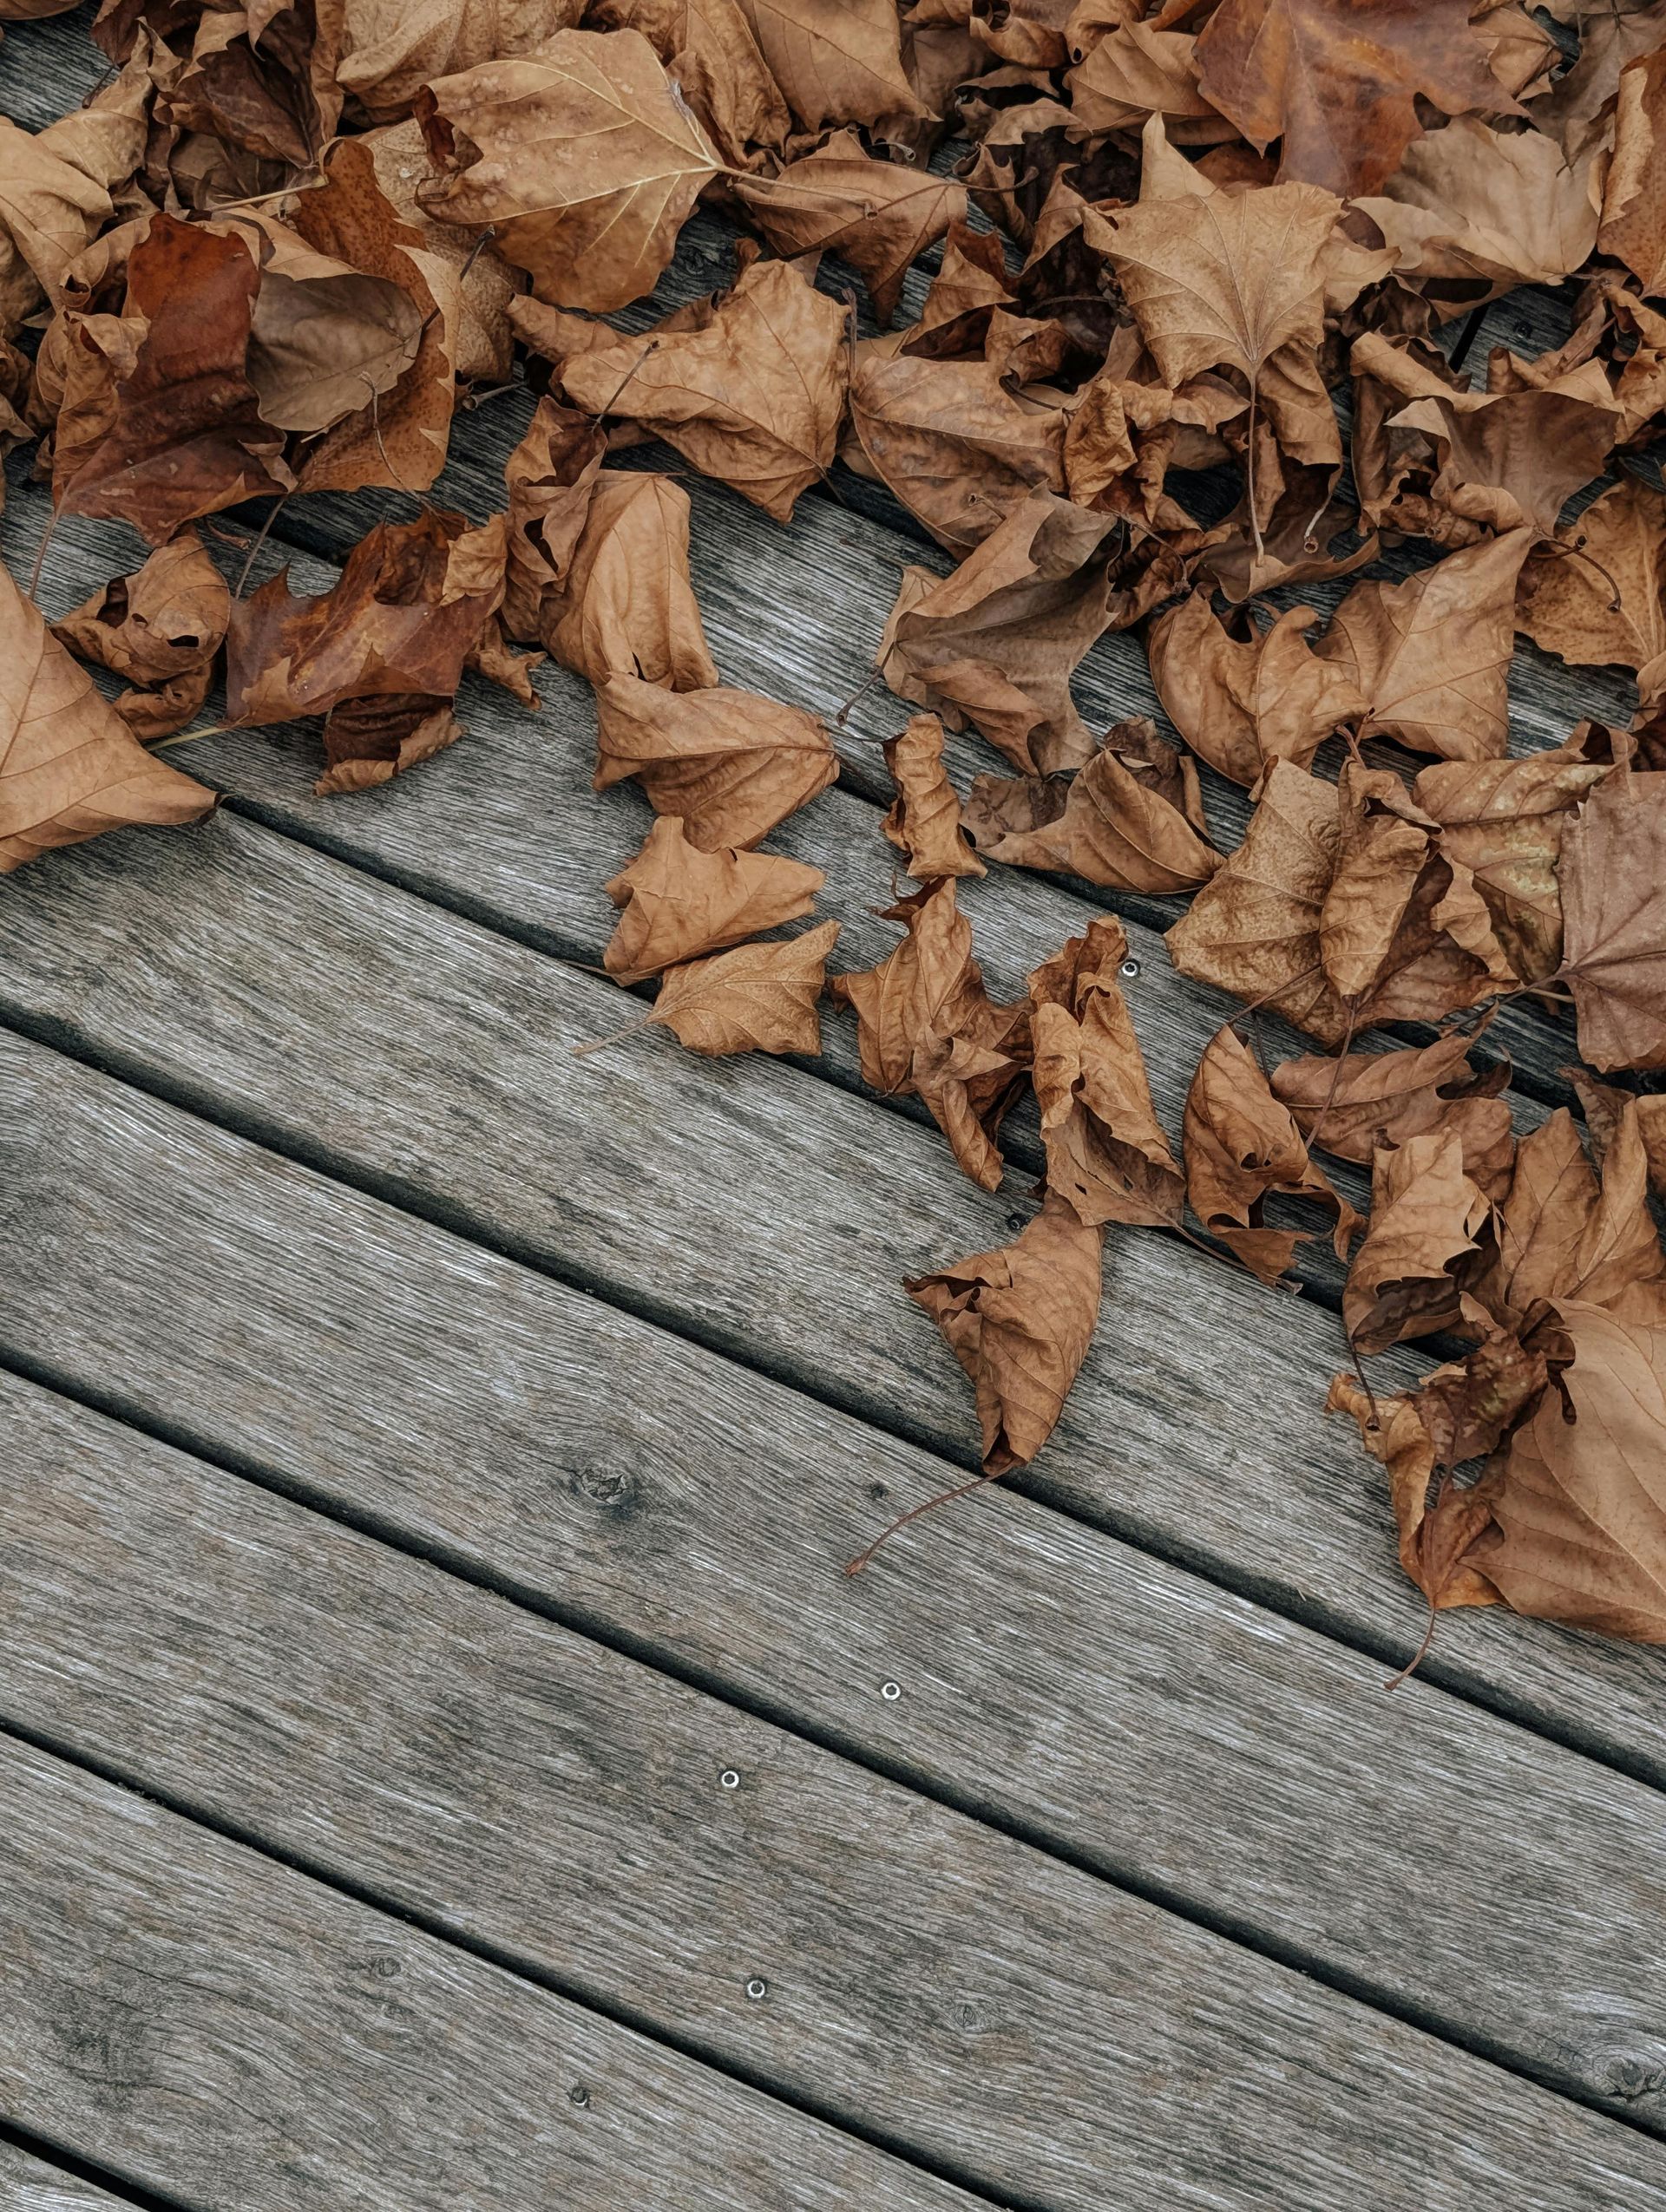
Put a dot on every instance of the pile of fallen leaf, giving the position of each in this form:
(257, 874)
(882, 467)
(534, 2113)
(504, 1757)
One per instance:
(1196, 272)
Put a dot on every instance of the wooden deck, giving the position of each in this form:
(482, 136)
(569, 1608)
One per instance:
(445, 1770)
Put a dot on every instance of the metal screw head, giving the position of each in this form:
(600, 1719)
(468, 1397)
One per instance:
(890, 1691)
(729, 1778)
(756, 1989)
(1130, 968)
(578, 2094)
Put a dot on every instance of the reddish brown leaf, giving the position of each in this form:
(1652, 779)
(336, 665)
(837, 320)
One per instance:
(924, 821)
(162, 629)
(1429, 1238)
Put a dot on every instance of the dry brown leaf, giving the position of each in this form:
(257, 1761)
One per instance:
(1019, 1320)
(1429, 1239)
(1242, 1146)
(1437, 1541)
(1385, 1098)
(1484, 211)
(1610, 606)
(549, 477)
(579, 157)
(627, 607)
(878, 216)
(730, 763)
(1382, 847)
(1503, 823)
(69, 767)
(996, 643)
(924, 820)
(1614, 917)
(1568, 1233)
(749, 387)
(327, 339)
(1578, 1503)
(755, 998)
(926, 1026)
(183, 436)
(1113, 825)
(1634, 194)
(162, 629)
(1242, 700)
(708, 48)
(1135, 71)
(678, 903)
(1107, 1156)
(391, 48)
(1338, 85)
(836, 61)
(1431, 656)
(961, 448)
(474, 287)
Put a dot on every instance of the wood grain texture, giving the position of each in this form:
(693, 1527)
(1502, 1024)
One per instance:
(221, 2029)
(563, 1806)
(1145, 1724)
(28, 2184)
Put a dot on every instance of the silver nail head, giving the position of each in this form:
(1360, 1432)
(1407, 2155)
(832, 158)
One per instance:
(1130, 968)
(890, 1691)
(578, 2094)
(729, 1778)
(757, 1989)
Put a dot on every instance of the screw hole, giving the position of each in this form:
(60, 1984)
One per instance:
(890, 1691)
(757, 1989)
(1129, 968)
(729, 1778)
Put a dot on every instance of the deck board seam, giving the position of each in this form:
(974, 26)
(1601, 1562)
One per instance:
(80, 2168)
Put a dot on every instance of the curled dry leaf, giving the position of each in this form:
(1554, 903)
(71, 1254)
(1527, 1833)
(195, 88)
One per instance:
(1566, 1232)
(549, 477)
(1019, 1320)
(1112, 825)
(472, 286)
(836, 64)
(381, 653)
(1383, 846)
(1633, 229)
(924, 820)
(1135, 71)
(1431, 656)
(1429, 1239)
(1603, 598)
(57, 188)
(1242, 1146)
(926, 1027)
(579, 156)
(708, 47)
(755, 998)
(1107, 1156)
(1240, 701)
(996, 643)
(1386, 1098)
(730, 764)
(748, 386)
(678, 903)
(69, 767)
(162, 629)
(182, 435)
(878, 216)
(1338, 85)
(1614, 915)
(626, 607)
(391, 48)
(1487, 210)
(1436, 1539)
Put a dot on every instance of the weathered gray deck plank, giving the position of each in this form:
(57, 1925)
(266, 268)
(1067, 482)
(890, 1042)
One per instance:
(189, 2014)
(562, 1807)
(1094, 1699)
(28, 2184)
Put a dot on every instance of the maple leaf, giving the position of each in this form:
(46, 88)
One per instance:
(924, 821)
(626, 607)
(1488, 209)
(678, 902)
(1019, 1320)
(1431, 656)
(1242, 1146)
(926, 1027)
(1430, 1238)
(878, 216)
(1107, 1154)
(748, 386)
(1111, 825)
(1614, 917)
(1602, 599)
(1338, 80)
(579, 156)
(185, 435)
(755, 998)
(162, 629)
(1242, 700)
(1371, 1099)
(69, 766)
(730, 764)
(996, 643)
